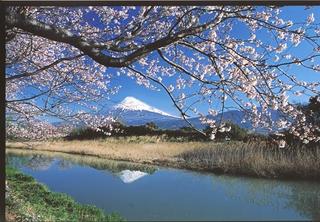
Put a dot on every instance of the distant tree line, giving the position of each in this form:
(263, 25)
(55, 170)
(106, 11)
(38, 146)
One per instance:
(151, 129)
(311, 110)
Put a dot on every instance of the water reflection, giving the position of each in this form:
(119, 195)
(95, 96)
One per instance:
(64, 164)
(303, 196)
(39, 160)
(170, 193)
(129, 176)
(34, 162)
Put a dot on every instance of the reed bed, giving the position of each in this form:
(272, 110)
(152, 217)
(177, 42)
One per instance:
(123, 149)
(251, 158)
(257, 159)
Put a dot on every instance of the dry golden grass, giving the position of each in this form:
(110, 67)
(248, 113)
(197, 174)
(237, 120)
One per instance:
(115, 149)
(255, 159)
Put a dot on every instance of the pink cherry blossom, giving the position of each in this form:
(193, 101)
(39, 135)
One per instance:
(62, 65)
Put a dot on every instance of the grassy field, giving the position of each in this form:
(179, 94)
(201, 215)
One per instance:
(254, 159)
(27, 200)
(135, 149)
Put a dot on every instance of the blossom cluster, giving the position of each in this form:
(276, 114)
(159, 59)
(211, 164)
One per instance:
(190, 52)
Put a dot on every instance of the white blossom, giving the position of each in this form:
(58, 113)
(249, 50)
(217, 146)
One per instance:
(310, 19)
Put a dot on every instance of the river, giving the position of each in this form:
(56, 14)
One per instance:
(141, 192)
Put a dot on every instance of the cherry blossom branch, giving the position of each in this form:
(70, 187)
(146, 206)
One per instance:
(183, 114)
(90, 48)
(28, 74)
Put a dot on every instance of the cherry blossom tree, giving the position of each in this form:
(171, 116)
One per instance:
(57, 57)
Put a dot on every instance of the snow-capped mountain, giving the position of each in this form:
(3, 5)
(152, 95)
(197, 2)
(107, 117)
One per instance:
(234, 116)
(132, 111)
(131, 103)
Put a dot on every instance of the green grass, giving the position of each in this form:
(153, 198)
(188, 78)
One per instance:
(29, 200)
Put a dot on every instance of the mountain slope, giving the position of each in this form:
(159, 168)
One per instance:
(234, 116)
(132, 111)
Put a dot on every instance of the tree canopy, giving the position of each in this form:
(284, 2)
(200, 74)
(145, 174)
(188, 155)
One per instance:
(58, 61)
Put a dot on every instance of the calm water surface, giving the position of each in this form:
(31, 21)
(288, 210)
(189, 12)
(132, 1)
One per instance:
(139, 192)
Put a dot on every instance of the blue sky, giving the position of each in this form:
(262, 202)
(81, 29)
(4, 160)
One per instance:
(162, 101)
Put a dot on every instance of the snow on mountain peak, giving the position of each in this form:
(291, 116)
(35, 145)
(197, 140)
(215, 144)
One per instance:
(131, 103)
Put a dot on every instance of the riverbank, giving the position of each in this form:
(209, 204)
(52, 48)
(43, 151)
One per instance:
(237, 158)
(28, 200)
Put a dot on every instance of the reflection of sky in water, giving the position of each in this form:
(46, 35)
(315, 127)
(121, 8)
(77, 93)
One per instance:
(304, 196)
(171, 194)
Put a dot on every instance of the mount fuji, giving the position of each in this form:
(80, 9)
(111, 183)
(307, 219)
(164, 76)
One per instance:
(132, 111)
